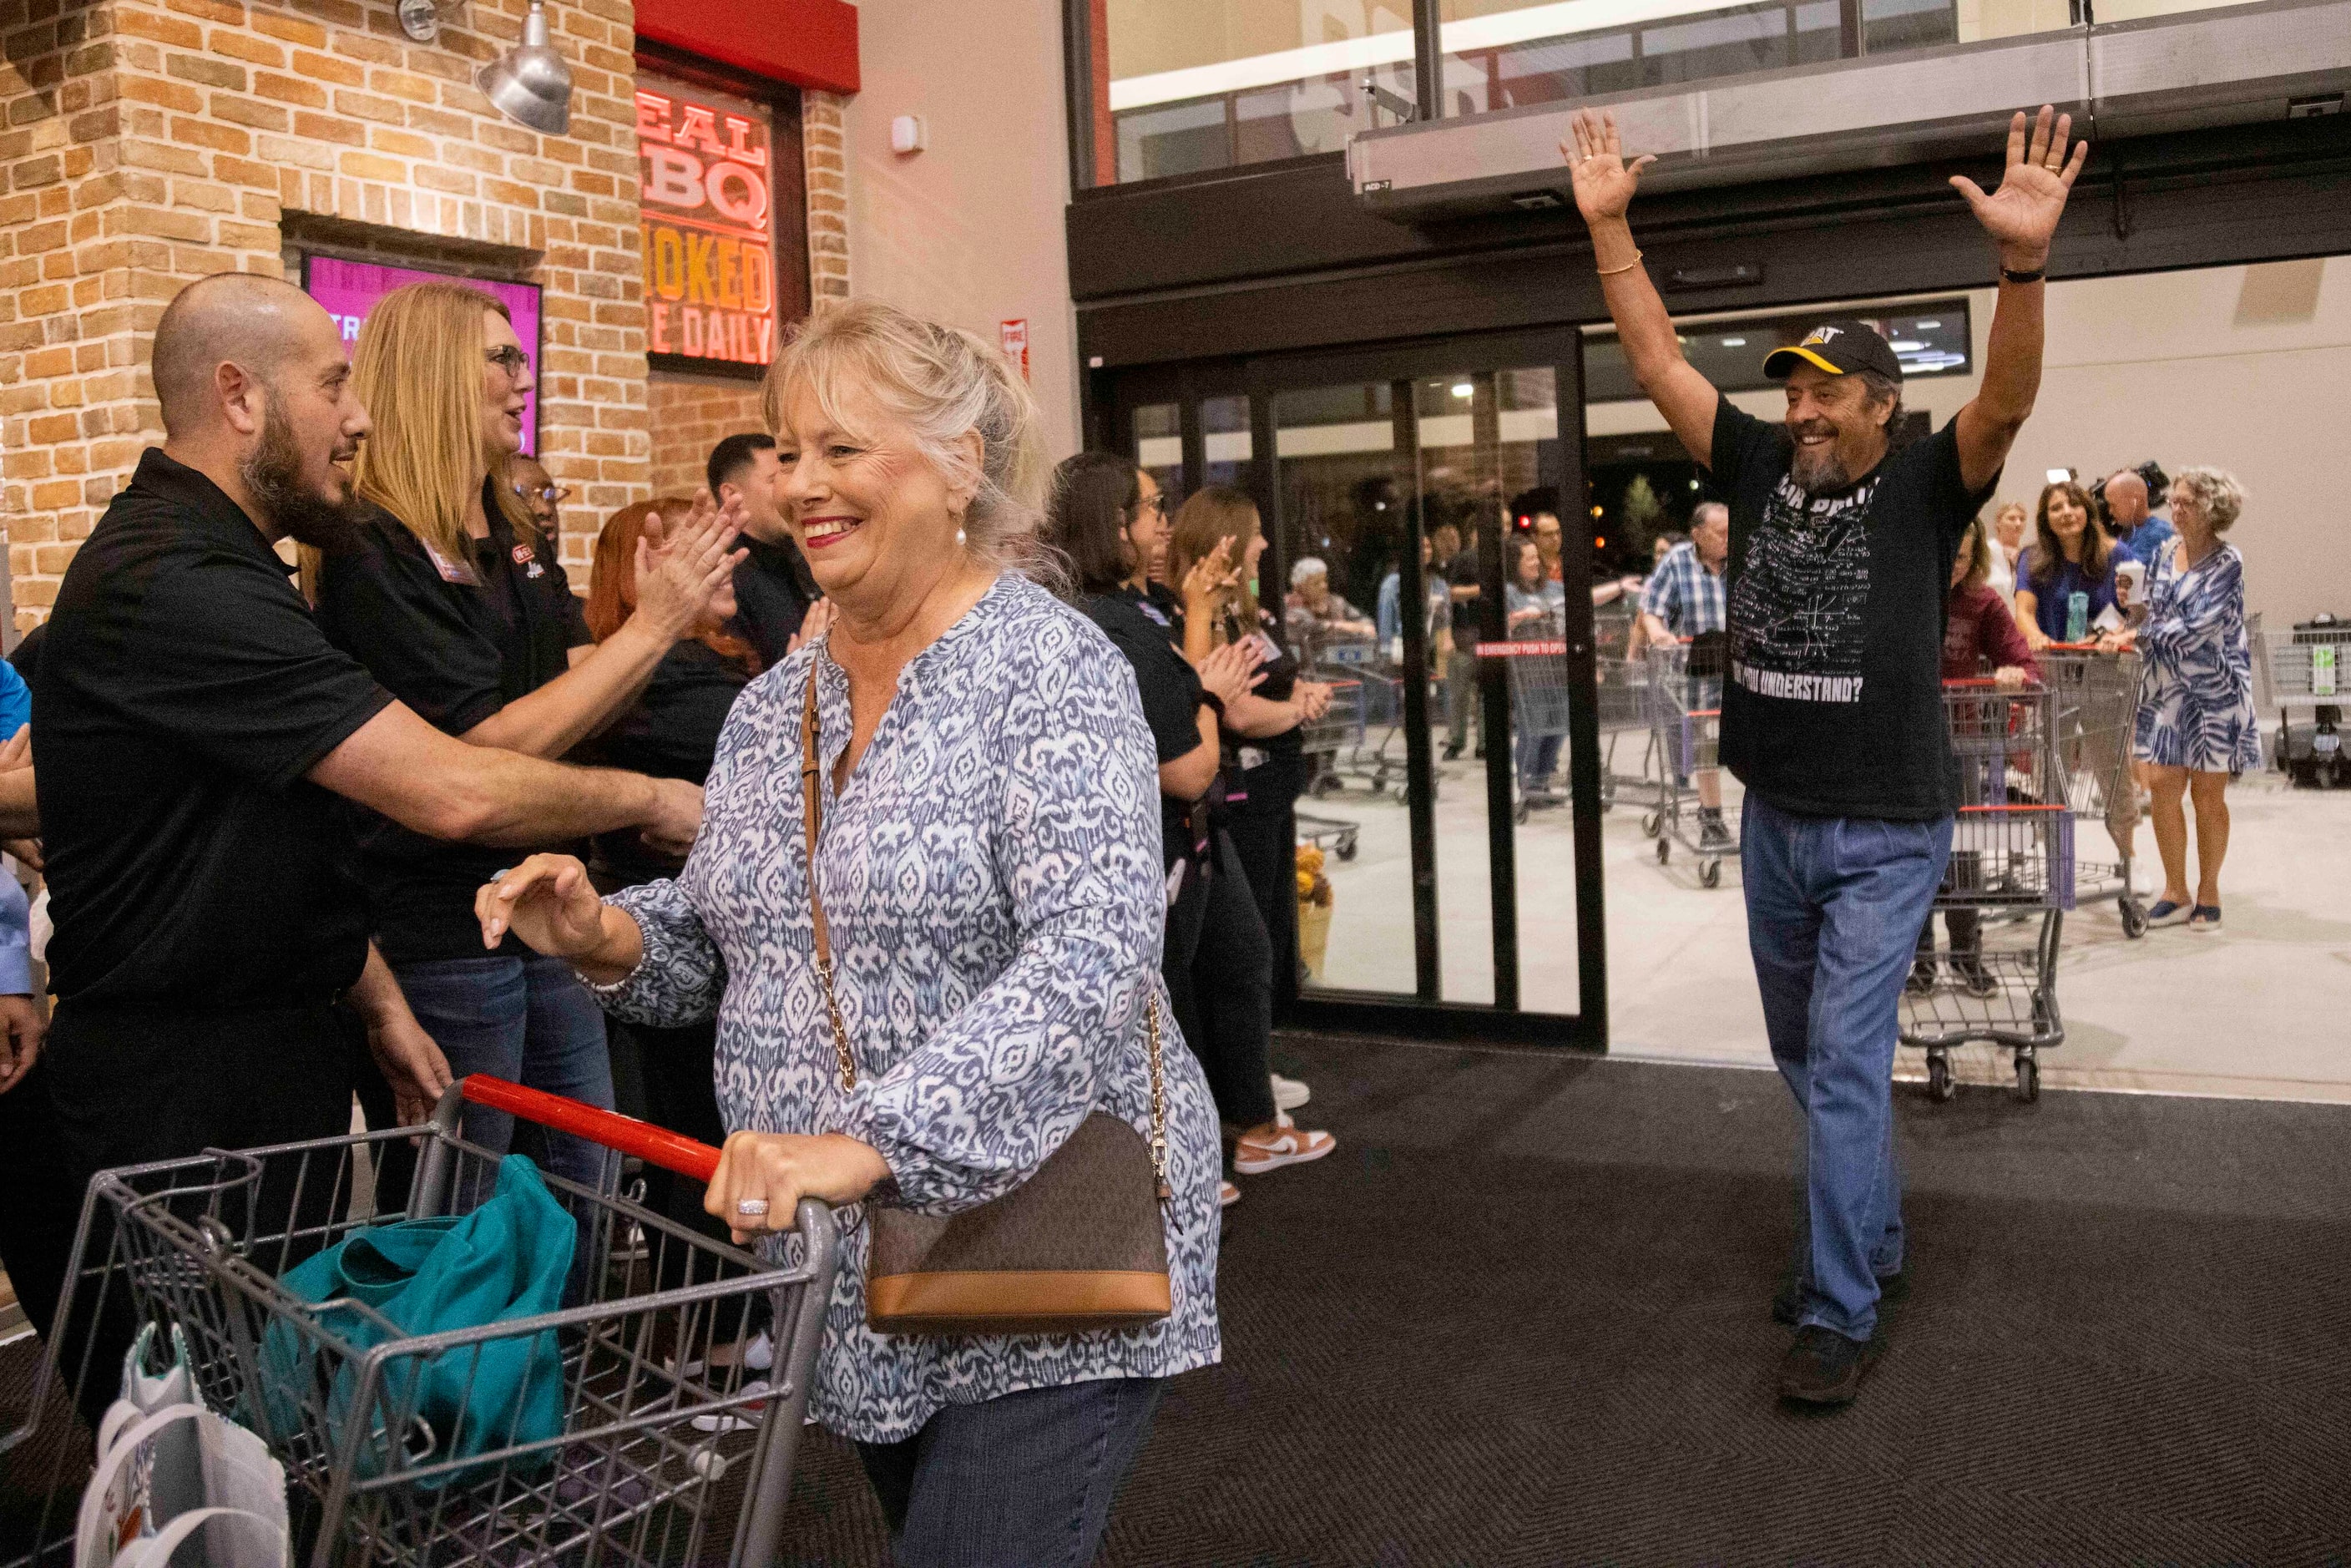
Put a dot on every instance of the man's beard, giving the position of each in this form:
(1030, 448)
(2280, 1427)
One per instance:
(1817, 470)
(273, 478)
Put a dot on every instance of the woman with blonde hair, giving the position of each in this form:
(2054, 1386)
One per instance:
(929, 936)
(2198, 729)
(1214, 551)
(459, 608)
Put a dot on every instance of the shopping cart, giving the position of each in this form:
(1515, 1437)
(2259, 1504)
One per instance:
(1685, 691)
(664, 1456)
(2096, 714)
(1341, 748)
(2310, 676)
(2011, 865)
(1539, 715)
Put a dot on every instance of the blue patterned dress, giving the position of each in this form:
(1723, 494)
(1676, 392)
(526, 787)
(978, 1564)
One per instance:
(992, 879)
(2196, 698)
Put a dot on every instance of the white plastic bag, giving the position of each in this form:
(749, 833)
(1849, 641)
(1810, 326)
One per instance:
(171, 1474)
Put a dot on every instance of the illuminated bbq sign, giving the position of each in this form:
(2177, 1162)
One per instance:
(705, 219)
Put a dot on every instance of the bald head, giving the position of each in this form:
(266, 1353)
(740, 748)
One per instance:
(238, 318)
(2127, 500)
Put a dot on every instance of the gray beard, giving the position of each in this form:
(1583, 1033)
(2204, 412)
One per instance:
(1814, 475)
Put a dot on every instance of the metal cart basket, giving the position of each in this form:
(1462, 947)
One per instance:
(2096, 713)
(2012, 867)
(1686, 734)
(664, 1456)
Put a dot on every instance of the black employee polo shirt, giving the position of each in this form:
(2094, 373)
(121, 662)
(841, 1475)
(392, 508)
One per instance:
(1171, 693)
(183, 693)
(773, 591)
(457, 641)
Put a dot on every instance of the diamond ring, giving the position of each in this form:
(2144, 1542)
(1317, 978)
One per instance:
(751, 1208)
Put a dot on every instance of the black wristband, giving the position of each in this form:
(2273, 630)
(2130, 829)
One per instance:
(2036, 276)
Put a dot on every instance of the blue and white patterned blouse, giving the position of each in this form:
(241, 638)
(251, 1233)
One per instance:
(2196, 695)
(991, 876)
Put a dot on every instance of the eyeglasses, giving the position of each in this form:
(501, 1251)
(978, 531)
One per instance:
(511, 359)
(553, 495)
(1149, 506)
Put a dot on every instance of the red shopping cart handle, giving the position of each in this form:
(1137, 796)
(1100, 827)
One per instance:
(654, 1145)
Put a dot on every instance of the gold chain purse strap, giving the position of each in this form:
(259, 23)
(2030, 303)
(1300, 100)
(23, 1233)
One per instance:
(811, 821)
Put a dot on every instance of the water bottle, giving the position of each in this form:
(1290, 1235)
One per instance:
(2077, 616)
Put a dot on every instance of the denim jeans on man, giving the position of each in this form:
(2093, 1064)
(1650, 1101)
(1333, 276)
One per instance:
(1022, 1481)
(1833, 906)
(525, 1018)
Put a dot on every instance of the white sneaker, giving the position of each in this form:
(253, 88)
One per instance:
(1289, 1093)
(1290, 1145)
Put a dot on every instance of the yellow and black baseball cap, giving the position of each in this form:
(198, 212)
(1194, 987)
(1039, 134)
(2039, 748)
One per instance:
(1839, 348)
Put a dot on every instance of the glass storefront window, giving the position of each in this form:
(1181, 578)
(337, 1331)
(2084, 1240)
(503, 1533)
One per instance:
(1159, 450)
(1182, 89)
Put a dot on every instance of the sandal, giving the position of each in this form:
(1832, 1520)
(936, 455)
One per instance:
(2204, 917)
(1289, 1144)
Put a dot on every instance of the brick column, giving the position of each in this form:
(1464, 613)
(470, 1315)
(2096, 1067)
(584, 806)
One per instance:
(151, 143)
(821, 134)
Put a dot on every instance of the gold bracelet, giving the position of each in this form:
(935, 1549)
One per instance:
(1612, 271)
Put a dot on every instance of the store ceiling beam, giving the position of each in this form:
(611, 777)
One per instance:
(808, 43)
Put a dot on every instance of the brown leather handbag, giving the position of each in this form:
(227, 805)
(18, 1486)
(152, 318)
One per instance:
(1078, 1246)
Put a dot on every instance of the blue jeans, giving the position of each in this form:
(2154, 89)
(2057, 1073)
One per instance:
(1834, 907)
(1021, 1480)
(525, 1018)
(1538, 756)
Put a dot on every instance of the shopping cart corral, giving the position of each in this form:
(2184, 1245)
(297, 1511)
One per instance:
(2011, 870)
(1684, 692)
(396, 1446)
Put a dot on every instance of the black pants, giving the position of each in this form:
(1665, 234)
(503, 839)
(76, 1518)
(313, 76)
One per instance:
(131, 1087)
(1265, 837)
(38, 1199)
(1218, 969)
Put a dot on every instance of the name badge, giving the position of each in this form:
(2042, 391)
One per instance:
(452, 572)
(1252, 759)
(527, 559)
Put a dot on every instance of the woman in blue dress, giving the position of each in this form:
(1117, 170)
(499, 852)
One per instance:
(2197, 726)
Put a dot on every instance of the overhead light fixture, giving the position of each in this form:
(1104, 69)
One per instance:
(1462, 388)
(1929, 326)
(1734, 342)
(530, 84)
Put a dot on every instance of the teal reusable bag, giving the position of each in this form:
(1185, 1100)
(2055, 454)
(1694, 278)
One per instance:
(505, 1261)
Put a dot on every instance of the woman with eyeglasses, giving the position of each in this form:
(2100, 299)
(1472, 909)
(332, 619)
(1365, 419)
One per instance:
(459, 604)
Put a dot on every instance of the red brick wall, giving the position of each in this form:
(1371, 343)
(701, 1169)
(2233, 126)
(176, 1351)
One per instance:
(689, 417)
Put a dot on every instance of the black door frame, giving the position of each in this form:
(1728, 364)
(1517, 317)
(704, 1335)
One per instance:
(1114, 398)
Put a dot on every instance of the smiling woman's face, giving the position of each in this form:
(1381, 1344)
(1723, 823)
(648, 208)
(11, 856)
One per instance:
(875, 520)
(504, 395)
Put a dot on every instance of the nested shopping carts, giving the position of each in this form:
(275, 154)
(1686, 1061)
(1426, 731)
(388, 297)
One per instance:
(2011, 870)
(2095, 716)
(2310, 681)
(1540, 701)
(1366, 700)
(416, 1449)
(1684, 702)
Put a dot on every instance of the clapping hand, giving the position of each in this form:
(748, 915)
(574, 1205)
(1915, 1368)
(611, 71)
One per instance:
(680, 570)
(1211, 577)
(1231, 672)
(2023, 214)
(813, 625)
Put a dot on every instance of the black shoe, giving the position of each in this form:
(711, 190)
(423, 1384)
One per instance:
(1922, 977)
(1824, 1367)
(1980, 983)
(1453, 752)
(1480, 753)
(1713, 838)
(1893, 1290)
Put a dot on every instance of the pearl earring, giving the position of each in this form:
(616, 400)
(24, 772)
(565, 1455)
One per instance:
(958, 539)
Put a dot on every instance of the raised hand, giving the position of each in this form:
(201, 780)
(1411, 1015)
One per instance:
(548, 901)
(2023, 214)
(1604, 183)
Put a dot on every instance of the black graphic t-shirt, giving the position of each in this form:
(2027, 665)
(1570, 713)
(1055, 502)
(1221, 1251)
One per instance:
(1832, 703)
